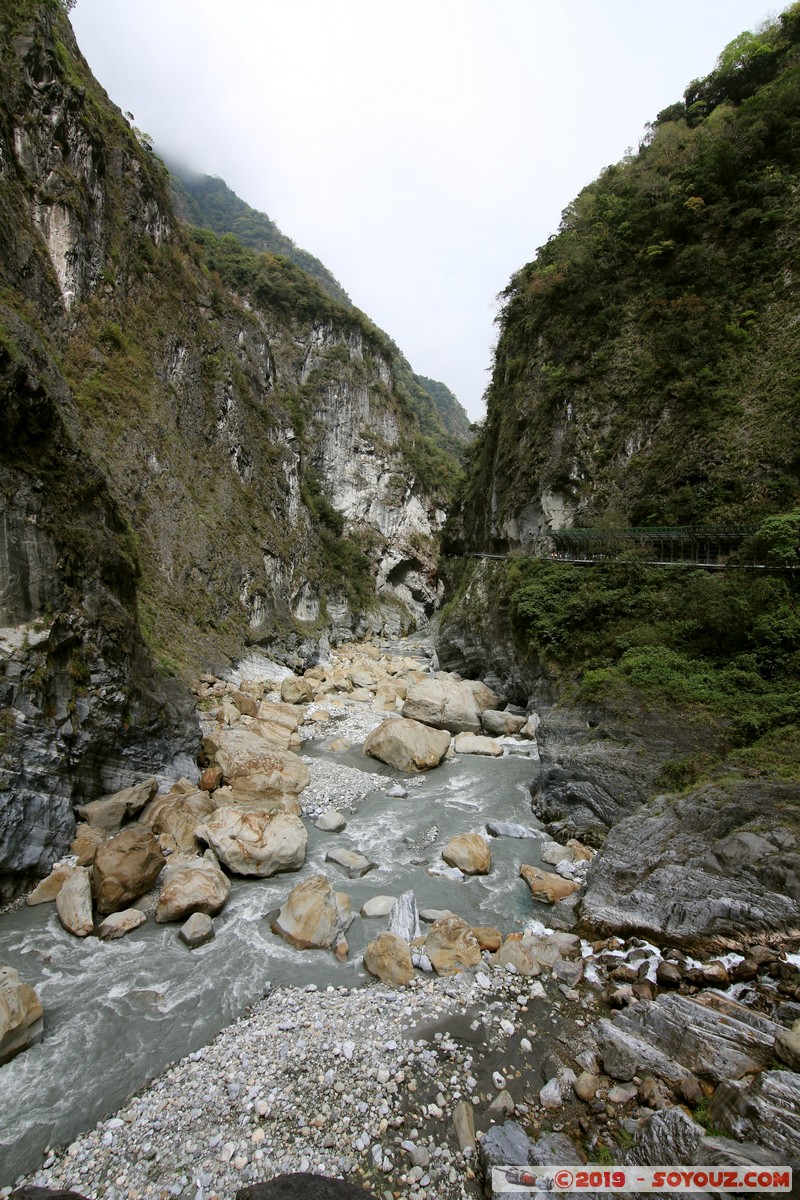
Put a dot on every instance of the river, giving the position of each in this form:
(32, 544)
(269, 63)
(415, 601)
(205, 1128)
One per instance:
(117, 1013)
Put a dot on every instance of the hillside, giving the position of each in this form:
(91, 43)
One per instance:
(646, 375)
(453, 416)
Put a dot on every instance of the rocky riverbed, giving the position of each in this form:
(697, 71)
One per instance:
(510, 1038)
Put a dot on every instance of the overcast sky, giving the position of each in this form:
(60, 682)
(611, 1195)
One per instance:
(422, 149)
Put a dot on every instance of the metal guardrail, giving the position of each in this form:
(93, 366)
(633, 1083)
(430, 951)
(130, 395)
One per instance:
(710, 546)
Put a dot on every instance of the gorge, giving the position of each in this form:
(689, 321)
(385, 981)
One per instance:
(233, 516)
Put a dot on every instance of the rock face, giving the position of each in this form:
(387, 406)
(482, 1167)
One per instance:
(443, 703)
(193, 885)
(21, 1016)
(707, 883)
(766, 1110)
(125, 867)
(407, 745)
(469, 852)
(255, 843)
(310, 918)
(678, 1037)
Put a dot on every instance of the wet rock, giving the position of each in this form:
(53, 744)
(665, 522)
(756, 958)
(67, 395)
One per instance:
(331, 821)
(712, 974)
(470, 853)
(118, 924)
(125, 867)
(21, 1016)
(378, 906)
(451, 946)
(198, 930)
(430, 915)
(443, 703)
(407, 745)
(404, 919)
(472, 743)
(74, 903)
(389, 959)
(546, 886)
(259, 844)
(510, 829)
(498, 723)
(193, 885)
(353, 863)
(309, 918)
(668, 975)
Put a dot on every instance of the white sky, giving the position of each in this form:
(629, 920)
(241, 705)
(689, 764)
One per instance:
(422, 149)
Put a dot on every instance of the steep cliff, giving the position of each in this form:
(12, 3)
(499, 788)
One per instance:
(202, 450)
(646, 376)
(646, 362)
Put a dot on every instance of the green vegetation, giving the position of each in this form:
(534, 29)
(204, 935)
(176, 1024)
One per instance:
(452, 415)
(208, 203)
(647, 362)
(724, 647)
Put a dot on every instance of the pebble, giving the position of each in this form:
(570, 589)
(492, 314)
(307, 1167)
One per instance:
(306, 1080)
